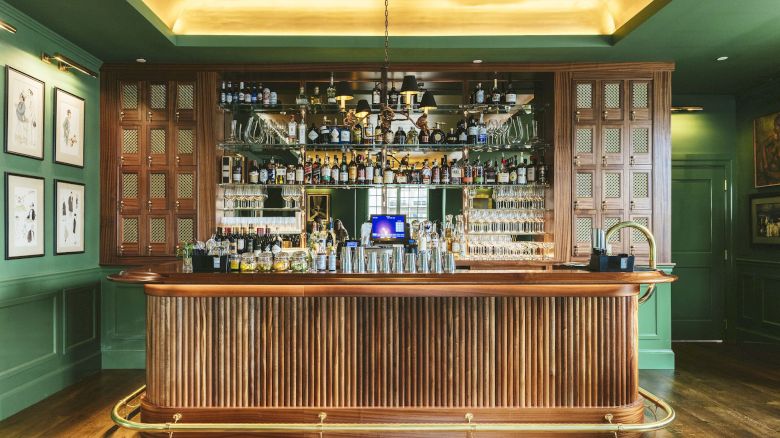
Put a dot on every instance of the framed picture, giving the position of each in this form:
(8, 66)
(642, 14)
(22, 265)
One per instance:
(24, 105)
(317, 206)
(68, 129)
(765, 219)
(69, 217)
(766, 150)
(24, 216)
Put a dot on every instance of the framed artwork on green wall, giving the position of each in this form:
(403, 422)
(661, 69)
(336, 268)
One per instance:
(765, 219)
(24, 216)
(69, 214)
(68, 129)
(24, 106)
(766, 150)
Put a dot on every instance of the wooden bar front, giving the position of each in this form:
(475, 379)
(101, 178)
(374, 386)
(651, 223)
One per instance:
(542, 346)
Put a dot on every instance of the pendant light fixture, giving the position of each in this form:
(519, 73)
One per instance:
(363, 109)
(428, 101)
(343, 94)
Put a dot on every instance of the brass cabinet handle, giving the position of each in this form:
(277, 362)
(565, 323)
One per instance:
(603, 160)
(631, 160)
(149, 115)
(121, 115)
(605, 114)
(178, 160)
(121, 249)
(178, 203)
(149, 205)
(149, 249)
(177, 116)
(149, 160)
(631, 249)
(576, 161)
(632, 204)
(577, 115)
(633, 114)
(576, 204)
(603, 205)
(122, 160)
(121, 206)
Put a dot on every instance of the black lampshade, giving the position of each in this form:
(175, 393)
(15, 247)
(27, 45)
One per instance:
(428, 101)
(363, 108)
(344, 91)
(410, 85)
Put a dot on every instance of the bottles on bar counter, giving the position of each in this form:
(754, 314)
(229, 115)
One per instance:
(373, 169)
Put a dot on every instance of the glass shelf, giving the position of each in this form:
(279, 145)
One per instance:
(295, 148)
(329, 109)
(504, 233)
(369, 186)
(276, 209)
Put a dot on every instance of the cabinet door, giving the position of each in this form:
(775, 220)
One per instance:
(184, 96)
(617, 243)
(612, 143)
(612, 101)
(186, 145)
(585, 149)
(158, 192)
(641, 148)
(583, 224)
(159, 236)
(185, 191)
(638, 244)
(613, 191)
(157, 98)
(130, 101)
(157, 141)
(184, 229)
(640, 100)
(129, 235)
(131, 186)
(585, 189)
(640, 187)
(131, 149)
(585, 101)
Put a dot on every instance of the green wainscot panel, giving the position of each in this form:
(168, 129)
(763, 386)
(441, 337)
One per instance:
(655, 328)
(123, 324)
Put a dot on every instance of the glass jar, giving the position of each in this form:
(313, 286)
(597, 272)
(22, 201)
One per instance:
(234, 261)
(265, 262)
(248, 263)
(282, 262)
(300, 262)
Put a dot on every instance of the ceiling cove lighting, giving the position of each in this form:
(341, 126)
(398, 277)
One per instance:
(7, 27)
(721, 58)
(64, 64)
(687, 109)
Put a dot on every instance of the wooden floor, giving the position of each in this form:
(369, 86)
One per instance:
(718, 391)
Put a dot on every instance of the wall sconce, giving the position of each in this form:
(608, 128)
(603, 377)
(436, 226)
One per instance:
(64, 64)
(6, 26)
(687, 109)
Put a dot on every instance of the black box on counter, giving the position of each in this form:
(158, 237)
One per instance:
(207, 263)
(611, 263)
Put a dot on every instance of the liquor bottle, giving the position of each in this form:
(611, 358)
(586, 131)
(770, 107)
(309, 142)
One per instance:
(495, 95)
(411, 136)
(521, 171)
(541, 171)
(482, 131)
(325, 171)
(530, 171)
(437, 135)
(389, 175)
(307, 171)
(400, 136)
(254, 173)
(510, 97)
(335, 170)
(479, 171)
(254, 93)
(378, 176)
(249, 244)
(369, 169)
(291, 170)
(445, 171)
(456, 173)
(357, 134)
(331, 92)
(231, 238)
(345, 135)
(315, 99)
(229, 93)
(426, 173)
(316, 173)
(352, 171)
(376, 95)
(479, 94)
(389, 137)
(248, 94)
(462, 133)
(301, 99)
(222, 96)
(241, 92)
(240, 241)
(401, 173)
(313, 136)
(335, 135)
(473, 131)
(393, 97)
(415, 175)
(218, 237)
(467, 172)
(435, 173)
(361, 170)
(299, 172)
(238, 173)
(377, 138)
(368, 135)
(452, 137)
(344, 171)
(425, 136)
(292, 130)
(227, 169)
(324, 137)
(513, 171)
(271, 166)
(490, 172)
(281, 173)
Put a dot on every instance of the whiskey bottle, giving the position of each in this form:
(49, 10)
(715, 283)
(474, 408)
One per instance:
(315, 99)
(302, 132)
(237, 171)
(324, 137)
(254, 173)
(393, 97)
(221, 94)
(456, 173)
(503, 172)
(530, 171)
(462, 132)
(344, 171)
(468, 172)
(510, 97)
(415, 175)
(490, 172)
(316, 173)
(482, 131)
(541, 171)
(352, 171)
(227, 170)
(248, 94)
(229, 93)
(345, 135)
(262, 174)
(299, 172)
(254, 93)
(307, 171)
(437, 135)
(335, 134)
(241, 92)
(389, 175)
(513, 171)
(369, 171)
(281, 173)
(425, 136)
(426, 173)
(452, 137)
(400, 136)
(522, 171)
(435, 173)
(412, 137)
(378, 177)
(301, 100)
(325, 171)
(357, 134)
(445, 171)
(335, 171)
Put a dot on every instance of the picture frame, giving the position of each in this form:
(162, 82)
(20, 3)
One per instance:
(766, 150)
(69, 201)
(25, 216)
(765, 219)
(25, 104)
(69, 130)
(317, 206)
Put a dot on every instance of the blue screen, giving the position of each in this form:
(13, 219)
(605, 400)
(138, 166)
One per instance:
(388, 228)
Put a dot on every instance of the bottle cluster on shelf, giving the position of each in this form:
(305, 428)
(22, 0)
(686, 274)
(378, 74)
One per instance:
(375, 170)
(241, 240)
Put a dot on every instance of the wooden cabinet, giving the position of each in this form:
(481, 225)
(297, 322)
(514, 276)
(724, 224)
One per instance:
(156, 141)
(612, 169)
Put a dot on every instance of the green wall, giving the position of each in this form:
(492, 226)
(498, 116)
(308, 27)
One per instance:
(49, 306)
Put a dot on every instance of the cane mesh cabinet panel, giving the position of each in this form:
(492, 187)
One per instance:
(156, 146)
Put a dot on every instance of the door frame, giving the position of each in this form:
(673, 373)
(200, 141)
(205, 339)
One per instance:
(725, 162)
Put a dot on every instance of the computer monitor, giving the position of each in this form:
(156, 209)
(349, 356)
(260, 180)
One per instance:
(388, 228)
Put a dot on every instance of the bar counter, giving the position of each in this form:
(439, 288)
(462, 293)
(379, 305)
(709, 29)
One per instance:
(492, 346)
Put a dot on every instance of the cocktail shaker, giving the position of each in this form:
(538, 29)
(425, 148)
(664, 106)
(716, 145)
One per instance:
(359, 261)
(436, 263)
(411, 263)
(398, 260)
(384, 266)
(425, 265)
(449, 265)
(372, 263)
(346, 260)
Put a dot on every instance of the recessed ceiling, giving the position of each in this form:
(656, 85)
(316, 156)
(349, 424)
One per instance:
(407, 17)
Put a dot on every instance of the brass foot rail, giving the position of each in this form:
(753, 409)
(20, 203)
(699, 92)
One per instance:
(469, 425)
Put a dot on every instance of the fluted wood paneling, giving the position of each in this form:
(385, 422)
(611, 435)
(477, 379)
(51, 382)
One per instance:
(354, 352)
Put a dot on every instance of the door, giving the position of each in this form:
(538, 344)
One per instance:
(699, 238)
